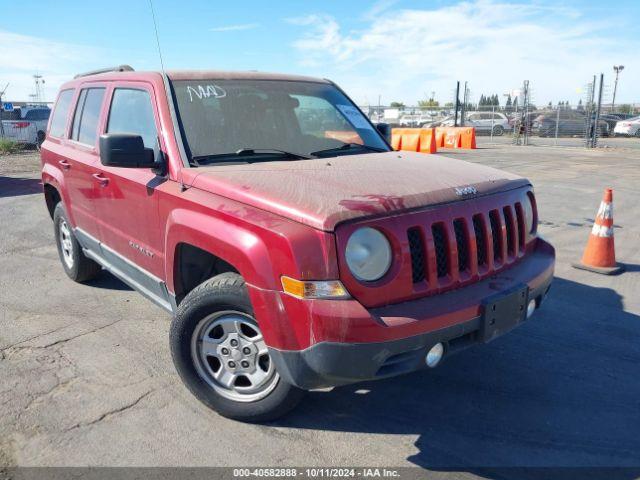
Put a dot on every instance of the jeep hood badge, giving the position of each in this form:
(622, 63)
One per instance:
(462, 191)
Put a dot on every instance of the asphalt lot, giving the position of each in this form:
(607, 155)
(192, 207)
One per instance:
(86, 376)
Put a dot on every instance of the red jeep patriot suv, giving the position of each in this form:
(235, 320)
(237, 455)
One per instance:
(294, 248)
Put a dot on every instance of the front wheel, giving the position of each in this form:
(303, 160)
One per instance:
(637, 134)
(220, 353)
(498, 130)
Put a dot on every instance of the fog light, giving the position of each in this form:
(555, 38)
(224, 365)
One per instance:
(531, 307)
(435, 355)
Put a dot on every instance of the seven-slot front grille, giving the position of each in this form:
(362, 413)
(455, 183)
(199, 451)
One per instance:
(480, 244)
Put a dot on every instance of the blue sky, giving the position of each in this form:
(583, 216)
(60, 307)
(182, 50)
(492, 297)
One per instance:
(401, 50)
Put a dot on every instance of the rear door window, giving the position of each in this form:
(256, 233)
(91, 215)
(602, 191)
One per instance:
(132, 112)
(87, 115)
(61, 113)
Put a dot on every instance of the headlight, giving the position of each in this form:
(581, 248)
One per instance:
(530, 219)
(368, 254)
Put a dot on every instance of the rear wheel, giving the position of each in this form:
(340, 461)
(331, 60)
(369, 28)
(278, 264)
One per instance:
(219, 352)
(76, 265)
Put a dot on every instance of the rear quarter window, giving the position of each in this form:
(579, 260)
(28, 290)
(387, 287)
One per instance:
(60, 114)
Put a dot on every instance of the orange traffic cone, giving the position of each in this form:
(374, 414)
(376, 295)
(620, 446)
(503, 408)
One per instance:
(600, 254)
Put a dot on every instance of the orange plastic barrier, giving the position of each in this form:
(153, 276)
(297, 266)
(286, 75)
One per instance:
(468, 138)
(345, 136)
(456, 137)
(421, 140)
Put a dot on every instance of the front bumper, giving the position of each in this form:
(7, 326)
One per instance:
(394, 339)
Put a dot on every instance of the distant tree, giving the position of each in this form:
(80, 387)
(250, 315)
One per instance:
(515, 103)
(508, 105)
(429, 103)
(580, 106)
(489, 101)
(550, 105)
(399, 105)
(449, 105)
(625, 108)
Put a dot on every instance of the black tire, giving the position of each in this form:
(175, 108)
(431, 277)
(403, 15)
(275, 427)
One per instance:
(498, 130)
(40, 136)
(81, 268)
(637, 134)
(225, 292)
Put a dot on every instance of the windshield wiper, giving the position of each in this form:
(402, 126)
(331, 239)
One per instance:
(348, 146)
(249, 152)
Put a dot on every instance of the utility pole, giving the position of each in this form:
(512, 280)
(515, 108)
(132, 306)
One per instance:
(1, 109)
(617, 69)
(455, 120)
(525, 112)
(590, 111)
(594, 136)
(465, 99)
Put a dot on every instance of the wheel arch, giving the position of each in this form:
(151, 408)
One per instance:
(51, 197)
(193, 253)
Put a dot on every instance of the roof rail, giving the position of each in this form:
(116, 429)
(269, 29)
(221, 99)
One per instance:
(119, 68)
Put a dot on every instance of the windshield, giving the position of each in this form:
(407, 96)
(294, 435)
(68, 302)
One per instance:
(223, 117)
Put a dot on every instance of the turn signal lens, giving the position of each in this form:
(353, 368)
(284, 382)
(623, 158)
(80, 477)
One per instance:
(329, 289)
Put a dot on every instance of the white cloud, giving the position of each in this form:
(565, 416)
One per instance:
(403, 53)
(234, 28)
(23, 56)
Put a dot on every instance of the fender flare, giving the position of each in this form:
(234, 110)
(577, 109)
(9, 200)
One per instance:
(240, 247)
(54, 177)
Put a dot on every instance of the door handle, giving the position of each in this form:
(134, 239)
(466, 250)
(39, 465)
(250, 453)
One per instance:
(103, 181)
(64, 164)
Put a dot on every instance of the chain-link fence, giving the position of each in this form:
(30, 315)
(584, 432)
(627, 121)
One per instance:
(591, 122)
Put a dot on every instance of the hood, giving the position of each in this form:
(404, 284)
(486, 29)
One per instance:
(324, 192)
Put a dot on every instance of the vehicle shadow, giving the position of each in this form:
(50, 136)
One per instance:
(16, 186)
(560, 391)
(108, 281)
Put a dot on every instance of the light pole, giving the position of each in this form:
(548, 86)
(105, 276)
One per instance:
(617, 69)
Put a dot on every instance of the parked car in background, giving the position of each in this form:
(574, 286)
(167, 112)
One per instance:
(569, 122)
(488, 122)
(622, 116)
(630, 127)
(611, 121)
(409, 120)
(443, 122)
(26, 124)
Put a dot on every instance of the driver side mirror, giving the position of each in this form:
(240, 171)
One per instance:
(384, 129)
(125, 150)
